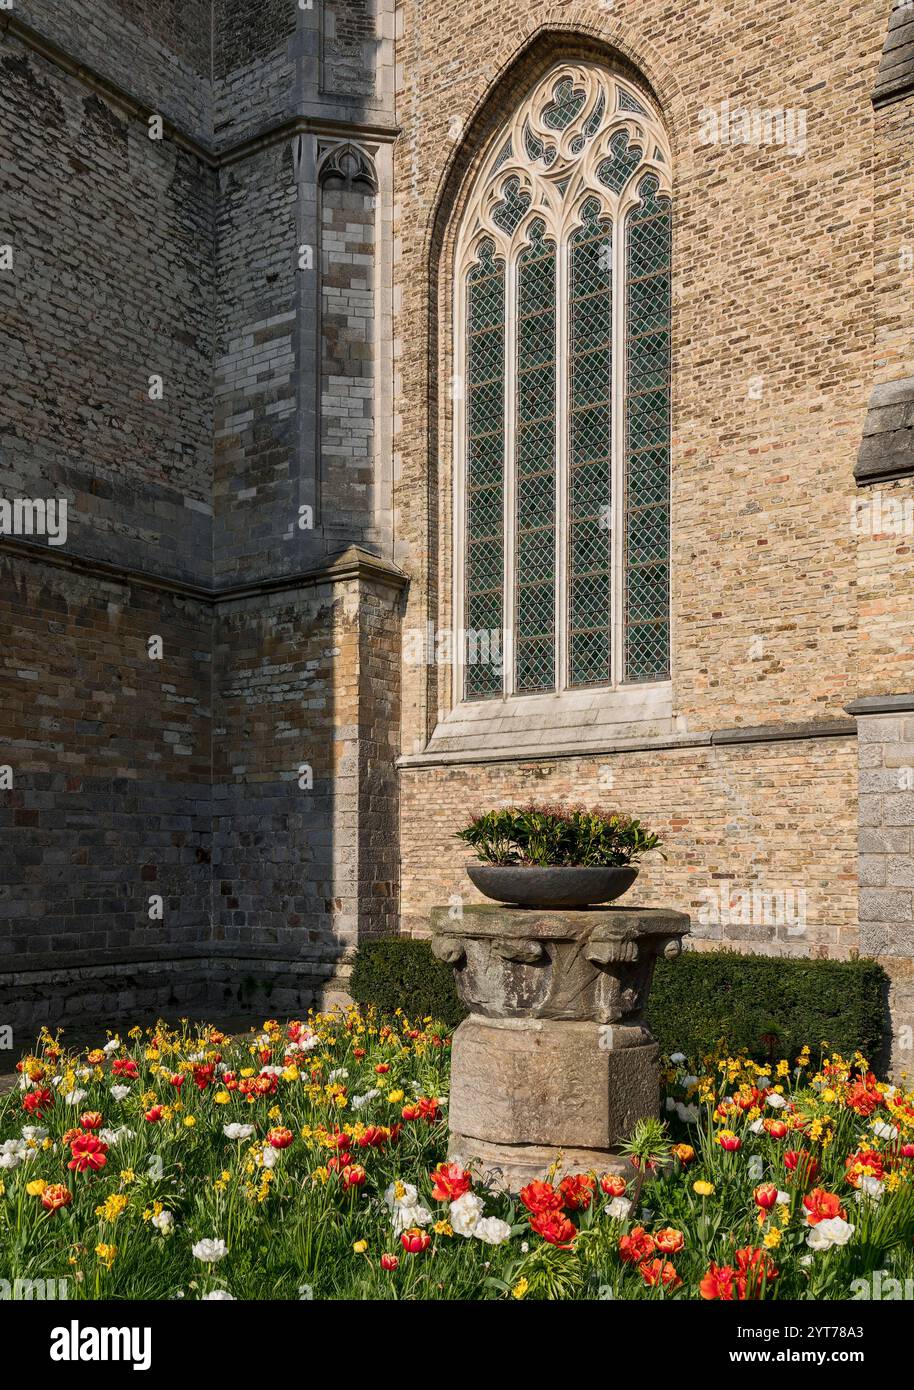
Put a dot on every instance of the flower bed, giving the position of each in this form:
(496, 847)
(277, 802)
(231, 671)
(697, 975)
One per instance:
(309, 1160)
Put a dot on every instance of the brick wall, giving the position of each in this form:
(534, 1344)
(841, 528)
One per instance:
(305, 788)
(110, 758)
(183, 257)
(347, 356)
(111, 284)
(159, 50)
(258, 471)
(776, 818)
(774, 321)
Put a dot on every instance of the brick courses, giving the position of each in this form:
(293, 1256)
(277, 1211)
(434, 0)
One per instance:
(329, 387)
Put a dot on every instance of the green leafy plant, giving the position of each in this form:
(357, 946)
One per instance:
(546, 836)
(397, 972)
(767, 1005)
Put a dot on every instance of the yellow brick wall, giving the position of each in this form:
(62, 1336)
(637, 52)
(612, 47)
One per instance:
(789, 304)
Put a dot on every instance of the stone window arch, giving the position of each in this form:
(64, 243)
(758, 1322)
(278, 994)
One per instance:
(562, 322)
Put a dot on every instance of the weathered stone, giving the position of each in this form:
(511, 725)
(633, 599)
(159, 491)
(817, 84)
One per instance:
(546, 1082)
(554, 1062)
(595, 963)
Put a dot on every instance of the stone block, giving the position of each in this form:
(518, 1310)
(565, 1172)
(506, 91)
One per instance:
(538, 1081)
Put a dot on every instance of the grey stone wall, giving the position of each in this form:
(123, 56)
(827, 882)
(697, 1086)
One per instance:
(112, 283)
(108, 754)
(158, 50)
(259, 66)
(258, 464)
(886, 860)
(135, 779)
(349, 48)
(348, 330)
(886, 750)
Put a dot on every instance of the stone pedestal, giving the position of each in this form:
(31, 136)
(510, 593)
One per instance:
(555, 1061)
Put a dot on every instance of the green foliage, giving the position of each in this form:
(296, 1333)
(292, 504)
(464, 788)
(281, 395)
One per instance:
(395, 972)
(544, 836)
(768, 1005)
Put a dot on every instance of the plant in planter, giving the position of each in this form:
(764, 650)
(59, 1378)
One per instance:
(545, 856)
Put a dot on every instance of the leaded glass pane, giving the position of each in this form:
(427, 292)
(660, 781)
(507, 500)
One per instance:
(535, 466)
(616, 170)
(510, 211)
(589, 537)
(628, 103)
(647, 461)
(604, 446)
(566, 104)
(485, 415)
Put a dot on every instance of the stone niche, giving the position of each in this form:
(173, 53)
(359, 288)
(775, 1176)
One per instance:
(555, 1062)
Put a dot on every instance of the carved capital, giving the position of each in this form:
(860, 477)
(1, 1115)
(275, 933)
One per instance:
(522, 952)
(449, 949)
(612, 952)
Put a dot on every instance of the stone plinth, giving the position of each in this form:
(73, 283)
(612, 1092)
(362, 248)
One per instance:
(555, 1061)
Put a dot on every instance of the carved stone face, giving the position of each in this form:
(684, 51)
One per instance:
(595, 965)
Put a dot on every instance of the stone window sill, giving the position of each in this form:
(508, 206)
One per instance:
(578, 720)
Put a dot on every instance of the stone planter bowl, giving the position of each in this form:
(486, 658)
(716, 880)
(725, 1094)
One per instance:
(558, 886)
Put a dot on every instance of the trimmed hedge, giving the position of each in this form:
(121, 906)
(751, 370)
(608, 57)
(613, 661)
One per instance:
(397, 972)
(768, 1005)
(704, 1000)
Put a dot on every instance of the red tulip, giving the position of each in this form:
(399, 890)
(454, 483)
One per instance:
(802, 1163)
(613, 1185)
(56, 1196)
(669, 1241)
(554, 1228)
(450, 1181)
(577, 1191)
(389, 1262)
(539, 1197)
(88, 1152)
(659, 1272)
(822, 1206)
(636, 1246)
(415, 1240)
(765, 1196)
(34, 1102)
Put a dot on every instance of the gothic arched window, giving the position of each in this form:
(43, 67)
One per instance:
(562, 426)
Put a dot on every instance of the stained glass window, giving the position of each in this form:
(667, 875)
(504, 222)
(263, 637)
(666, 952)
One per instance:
(647, 436)
(535, 512)
(590, 450)
(563, 429)
(485, 459)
